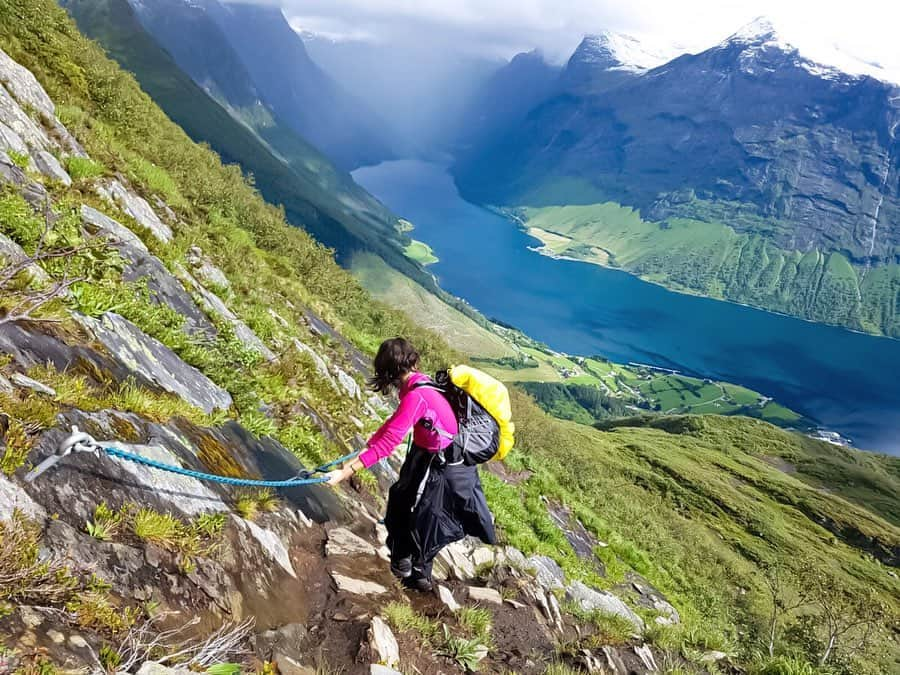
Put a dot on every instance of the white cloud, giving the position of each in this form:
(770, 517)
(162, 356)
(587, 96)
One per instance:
(864, 28)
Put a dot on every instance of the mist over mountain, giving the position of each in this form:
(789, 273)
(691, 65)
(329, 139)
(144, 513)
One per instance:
(423, 90)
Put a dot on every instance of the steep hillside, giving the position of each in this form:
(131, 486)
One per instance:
(315, 194)
(149, 296)
(226, 45)
(749, 140)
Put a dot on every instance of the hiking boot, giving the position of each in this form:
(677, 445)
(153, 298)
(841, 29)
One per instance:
(418, 583)
(402, 568)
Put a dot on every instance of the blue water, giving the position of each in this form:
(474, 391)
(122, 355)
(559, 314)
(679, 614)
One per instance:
(846, 381)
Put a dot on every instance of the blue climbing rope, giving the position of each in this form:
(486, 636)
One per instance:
(80, 441)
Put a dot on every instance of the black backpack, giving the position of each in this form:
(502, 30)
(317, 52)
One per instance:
(478, 437)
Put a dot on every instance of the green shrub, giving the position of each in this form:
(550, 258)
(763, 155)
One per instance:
(20, 159)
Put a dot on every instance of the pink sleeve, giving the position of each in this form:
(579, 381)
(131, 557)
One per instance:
(411, 409)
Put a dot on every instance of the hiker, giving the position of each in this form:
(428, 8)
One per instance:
(438, 497)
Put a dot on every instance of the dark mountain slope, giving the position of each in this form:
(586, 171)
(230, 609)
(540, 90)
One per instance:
(749, 122)
(507, 96)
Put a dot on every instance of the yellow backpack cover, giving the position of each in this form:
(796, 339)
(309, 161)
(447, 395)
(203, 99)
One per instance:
(493, 396)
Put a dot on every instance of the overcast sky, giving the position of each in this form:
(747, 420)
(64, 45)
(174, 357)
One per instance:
(867, 29)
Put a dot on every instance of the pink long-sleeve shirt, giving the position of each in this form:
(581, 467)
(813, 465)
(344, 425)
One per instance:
(415, 404)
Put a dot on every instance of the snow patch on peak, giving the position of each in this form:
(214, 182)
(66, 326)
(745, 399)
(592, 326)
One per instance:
(761, 29)
(621, 52)
(820, 58)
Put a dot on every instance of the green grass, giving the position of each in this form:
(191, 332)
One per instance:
(83, 168)
(421, 253)
(710, 258)
(20, 159)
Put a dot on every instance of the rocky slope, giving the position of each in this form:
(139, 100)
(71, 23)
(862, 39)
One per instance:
(140, 567)
(150, 297)
(749, 134)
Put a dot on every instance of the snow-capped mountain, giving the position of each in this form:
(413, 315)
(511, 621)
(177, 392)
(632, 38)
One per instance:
(752, 125)
(819, 57)
(607, 59)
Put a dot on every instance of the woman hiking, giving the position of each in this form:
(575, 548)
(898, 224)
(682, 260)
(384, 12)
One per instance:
(438, 498)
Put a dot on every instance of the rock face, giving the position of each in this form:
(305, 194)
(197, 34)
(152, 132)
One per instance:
(136, 207)
(155, 363)
(357, 586)
(590, 600)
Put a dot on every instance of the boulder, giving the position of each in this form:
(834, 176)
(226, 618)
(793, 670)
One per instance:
(591, 600)
(48, 165)
(446, 596)
(100, 224)
(136, 207)
(202, 267)
(357, 586)
(383, 644)
(342, 541)
(155, 363)
(547, 571)
(479, 594)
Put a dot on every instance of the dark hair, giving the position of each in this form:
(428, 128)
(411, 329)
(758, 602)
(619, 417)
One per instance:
(395, 358)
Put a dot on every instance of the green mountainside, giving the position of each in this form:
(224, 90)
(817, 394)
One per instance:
(285, 169)
(175, 312)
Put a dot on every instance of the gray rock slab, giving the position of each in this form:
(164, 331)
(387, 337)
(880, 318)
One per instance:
(14, 117)
(383, 644)
(446, 596)
(271, 544)
(592, 600)
(98, 223)
(479, 594)
(357, 586)
(28, 383)
(13, 497)
(189, 495)
(208, 273)
(342, 541)
(136, 207)
(12, 254)
(48, 165)
(154, 362)
(547, 572)
(23, 85)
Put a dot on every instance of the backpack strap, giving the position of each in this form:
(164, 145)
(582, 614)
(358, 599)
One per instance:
(425, 422)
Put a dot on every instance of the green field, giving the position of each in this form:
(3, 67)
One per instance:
(712, 259)
(420, 252)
